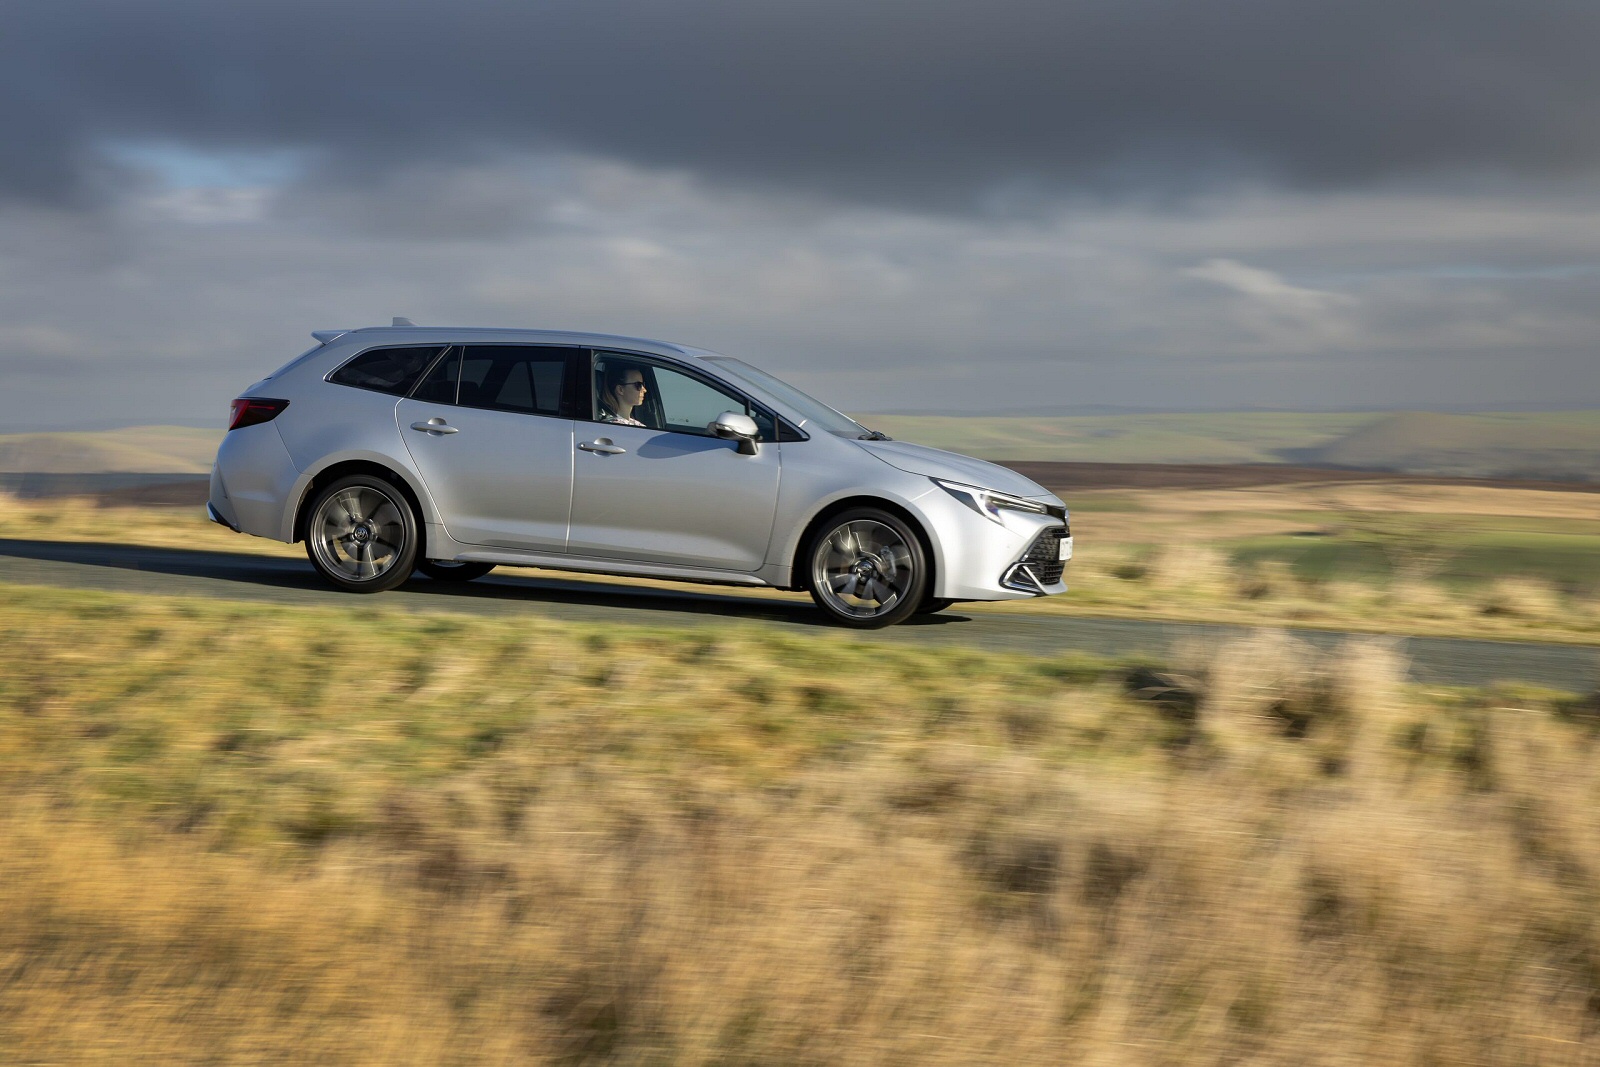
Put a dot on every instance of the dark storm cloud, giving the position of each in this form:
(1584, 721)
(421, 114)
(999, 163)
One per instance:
(915, 101)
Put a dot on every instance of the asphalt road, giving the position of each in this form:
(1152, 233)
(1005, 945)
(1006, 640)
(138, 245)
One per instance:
(242, 576)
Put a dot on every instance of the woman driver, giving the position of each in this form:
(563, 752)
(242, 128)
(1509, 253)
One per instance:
(621, 390)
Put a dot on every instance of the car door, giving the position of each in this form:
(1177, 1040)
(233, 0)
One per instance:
(490, 430)
(669, 491)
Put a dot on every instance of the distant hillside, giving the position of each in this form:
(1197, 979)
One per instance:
(161, 449)
(1548, 445)
(1249, 437)
(1557, 445)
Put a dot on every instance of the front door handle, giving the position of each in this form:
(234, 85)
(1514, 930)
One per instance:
(434, 425)
(602, 446)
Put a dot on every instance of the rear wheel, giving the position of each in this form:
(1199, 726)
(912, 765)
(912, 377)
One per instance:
(361, 535)
(867, 569)
(443, 570)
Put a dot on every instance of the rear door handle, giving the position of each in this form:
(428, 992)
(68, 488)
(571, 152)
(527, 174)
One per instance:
(434, 425)
(602, 446)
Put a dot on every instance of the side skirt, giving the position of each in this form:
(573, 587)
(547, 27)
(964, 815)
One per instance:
(606, 566)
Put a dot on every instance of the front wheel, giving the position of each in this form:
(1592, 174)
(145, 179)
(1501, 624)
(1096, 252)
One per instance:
(867, 569)
(443, 570)
(362, 535)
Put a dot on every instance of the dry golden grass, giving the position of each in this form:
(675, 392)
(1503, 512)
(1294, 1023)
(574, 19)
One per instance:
(291, 835)
(1166, 554)
(1194, 581)
(81, 519)
(1521, 597)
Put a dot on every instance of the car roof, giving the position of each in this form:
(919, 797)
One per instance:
(487, 334)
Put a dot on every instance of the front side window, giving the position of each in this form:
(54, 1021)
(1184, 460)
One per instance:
(386, 370)
(813, 413)
(635, 392)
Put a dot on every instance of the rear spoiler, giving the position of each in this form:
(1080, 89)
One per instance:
(324, 336)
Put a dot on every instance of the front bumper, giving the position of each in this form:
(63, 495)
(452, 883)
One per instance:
(1041, 568)
(976, 558)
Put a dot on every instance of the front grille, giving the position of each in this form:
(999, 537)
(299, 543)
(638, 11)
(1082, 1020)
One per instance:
(1043, 559)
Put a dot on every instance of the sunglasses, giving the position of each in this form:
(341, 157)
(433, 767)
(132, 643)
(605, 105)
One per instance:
(630, 385)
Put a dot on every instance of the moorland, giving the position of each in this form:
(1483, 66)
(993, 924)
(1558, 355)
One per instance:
(241, 832)
(256, 833)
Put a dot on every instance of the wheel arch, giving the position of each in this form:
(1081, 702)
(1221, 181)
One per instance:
(802, 572)
(343, 468)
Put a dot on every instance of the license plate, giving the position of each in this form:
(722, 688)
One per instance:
(1066, 548)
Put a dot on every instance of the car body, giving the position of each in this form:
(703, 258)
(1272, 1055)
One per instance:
(512, 465)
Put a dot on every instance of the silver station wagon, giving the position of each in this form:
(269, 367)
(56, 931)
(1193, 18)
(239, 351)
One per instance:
(394, 449)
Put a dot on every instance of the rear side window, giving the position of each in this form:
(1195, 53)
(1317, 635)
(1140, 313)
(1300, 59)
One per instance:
(387, 370)
(439, 387)
(525, 378)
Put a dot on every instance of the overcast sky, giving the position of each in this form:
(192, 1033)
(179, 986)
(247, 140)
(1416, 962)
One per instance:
(897, 204)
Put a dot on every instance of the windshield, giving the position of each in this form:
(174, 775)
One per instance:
(815, 413)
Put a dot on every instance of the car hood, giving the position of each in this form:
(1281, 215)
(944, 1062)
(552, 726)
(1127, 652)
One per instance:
(952, 466)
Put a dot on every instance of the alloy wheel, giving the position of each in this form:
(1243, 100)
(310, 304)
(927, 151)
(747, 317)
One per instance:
(358, 534)
(866, 571)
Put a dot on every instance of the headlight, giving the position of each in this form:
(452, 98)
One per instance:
(987, 502)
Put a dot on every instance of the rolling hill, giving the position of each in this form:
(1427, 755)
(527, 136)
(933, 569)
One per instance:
(1557, 445)
(1240, 437)
(1562, 446)
(144, 449)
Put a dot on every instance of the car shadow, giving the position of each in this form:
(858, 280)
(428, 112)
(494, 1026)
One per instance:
(503, 585)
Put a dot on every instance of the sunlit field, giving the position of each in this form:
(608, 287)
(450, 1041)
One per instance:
(1416, 559)
(266, 834)
(250, 833)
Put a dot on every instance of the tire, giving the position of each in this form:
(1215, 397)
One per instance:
(933, 605)
(361, 534)
(866, 569)
(442, 570)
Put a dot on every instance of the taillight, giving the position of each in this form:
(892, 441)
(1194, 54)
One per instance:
(249, 410)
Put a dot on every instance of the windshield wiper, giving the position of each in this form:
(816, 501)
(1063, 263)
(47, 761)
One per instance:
(874, 435)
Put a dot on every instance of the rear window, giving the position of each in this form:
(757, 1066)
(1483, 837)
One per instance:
(387, 370)
(525, 378)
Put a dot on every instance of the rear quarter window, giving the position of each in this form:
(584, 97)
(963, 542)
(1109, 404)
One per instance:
(387, 370)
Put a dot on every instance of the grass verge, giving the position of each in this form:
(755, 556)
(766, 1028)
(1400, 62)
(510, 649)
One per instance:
(263, 834)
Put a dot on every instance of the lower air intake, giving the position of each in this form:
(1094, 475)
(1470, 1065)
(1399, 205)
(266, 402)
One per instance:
(1041, 565)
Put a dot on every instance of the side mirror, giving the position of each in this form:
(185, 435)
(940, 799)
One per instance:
(737, 426)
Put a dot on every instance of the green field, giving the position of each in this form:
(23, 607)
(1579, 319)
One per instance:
(1570, 562)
